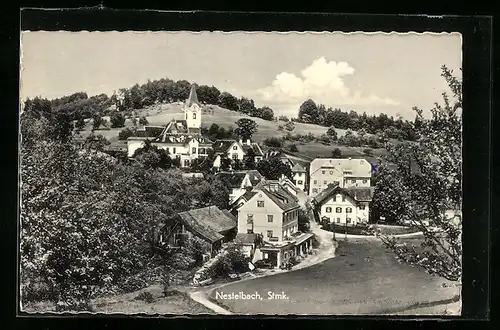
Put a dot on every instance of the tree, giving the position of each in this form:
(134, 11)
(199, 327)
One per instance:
(308, 112)
(424, 182)
(289, 126)
(96, 142)
(266, 113)
(228, 101)
(97, 121)
(331, 132)
(273, 142)
(246, 128)
(274, 168)
(249, 160)
(80, 123)
(293, 148)
(143, 121)
(336, 153)
(117, 120)
(152, 157)
(246, 106)
(225, 162)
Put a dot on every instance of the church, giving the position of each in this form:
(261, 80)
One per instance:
(182, 139)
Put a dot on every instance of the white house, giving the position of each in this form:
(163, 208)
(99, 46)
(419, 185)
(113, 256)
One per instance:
(344, 206)
(344, 172)
(299, 176)
(236, 150)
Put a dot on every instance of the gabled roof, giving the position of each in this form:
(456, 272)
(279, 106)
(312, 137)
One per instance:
(359, 194)
(356, 167)
(278, 194)
(255, 177)
(208, 222)
(222, 146)
(298, 168)
(193, 97)
(254, 146)
(149, 131)
(235, 178)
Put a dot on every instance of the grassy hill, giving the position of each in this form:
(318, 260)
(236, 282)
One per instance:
(161, 114)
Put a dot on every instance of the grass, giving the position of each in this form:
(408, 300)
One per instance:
(178, 304)
(364, 278)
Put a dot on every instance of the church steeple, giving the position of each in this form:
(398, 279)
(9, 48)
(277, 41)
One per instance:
(193, 97)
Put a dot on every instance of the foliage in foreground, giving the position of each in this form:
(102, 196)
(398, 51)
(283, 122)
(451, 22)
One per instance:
(424, 182)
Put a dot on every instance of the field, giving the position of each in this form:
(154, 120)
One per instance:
(160, 115)
(364, 278)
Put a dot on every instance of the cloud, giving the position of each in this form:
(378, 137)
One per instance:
(323, 82)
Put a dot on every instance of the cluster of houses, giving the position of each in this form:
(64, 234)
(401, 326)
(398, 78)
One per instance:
(263, 215)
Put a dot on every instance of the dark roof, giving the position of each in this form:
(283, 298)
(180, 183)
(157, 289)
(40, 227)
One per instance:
(244, 238)
(359, 194)
(278, 194)
(254, 146)
(208, 222)
(150, 131)
(255, 177)
(233, 179)
(193, 97)
(246, 197)
(222, 146)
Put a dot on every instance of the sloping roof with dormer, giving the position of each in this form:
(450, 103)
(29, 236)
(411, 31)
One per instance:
(222, 146)
(359, 194)
(278, 194)
(352, 167)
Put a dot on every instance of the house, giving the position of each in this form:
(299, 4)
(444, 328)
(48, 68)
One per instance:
(235, 150)
(299, 176)
(241, 200)
(239, 181)
(288, 185)
(211, 224)
(278, 153)
(344, 172)
(344, 206)
(182, 139)
(271, 211)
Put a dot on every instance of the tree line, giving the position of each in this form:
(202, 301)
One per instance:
(310, 112)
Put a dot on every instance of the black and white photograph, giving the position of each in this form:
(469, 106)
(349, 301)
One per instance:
(240, 173)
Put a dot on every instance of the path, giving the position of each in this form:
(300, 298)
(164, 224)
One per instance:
(324, 252)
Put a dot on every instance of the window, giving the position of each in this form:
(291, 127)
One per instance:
(348, 220)
(269, 233)
(328, 210)
(249, 231)
(193, 151)
(235, 147)
(361, 207)
(201, 151)
(323, 172)
(338, 220)
(353, 181)
(338, 210)
(260, 203)
(324, 182)
(300, 174)
(315, 181)
(250, 218)
(194, 115)
(331, 172)
(235, 156)
(365, 181)
(173, 150)
(348, 210)
(186, 162)
(166, 149)
(315, 190)
(300, 182)
(269, 218)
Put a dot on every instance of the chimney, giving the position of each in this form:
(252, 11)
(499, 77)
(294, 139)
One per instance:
(249, 142)
(241, 141)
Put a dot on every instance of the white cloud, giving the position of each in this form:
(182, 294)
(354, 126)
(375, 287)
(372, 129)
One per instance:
(322, 82)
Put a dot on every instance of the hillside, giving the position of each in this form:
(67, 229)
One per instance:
(159, 115)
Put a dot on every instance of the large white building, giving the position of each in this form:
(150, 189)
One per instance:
(345, 173)
(181, 138)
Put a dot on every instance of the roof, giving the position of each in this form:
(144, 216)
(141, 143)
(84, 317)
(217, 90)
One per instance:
(254, 146)
(298, 168)
(193, 97)
(149, 131)
(246, 197)
(255, 177)
(222, 146)
(358, 167)
(244, 238)
(208, 222)
(278, 194)
(235, 178)
(359, 194)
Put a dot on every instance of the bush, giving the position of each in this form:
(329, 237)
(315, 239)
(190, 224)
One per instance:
(117, 120)
(273, 142)
(145, 296)
(182, 261)
(336, 153)
(293, 148)
(368, 152)
(143, 121)
(126, 133)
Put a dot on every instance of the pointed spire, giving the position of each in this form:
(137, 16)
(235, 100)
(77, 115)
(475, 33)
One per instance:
(193, 97)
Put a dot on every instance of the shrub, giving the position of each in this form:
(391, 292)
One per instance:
(273, 142)
(368, 152)
(117, 120)
(145, 296)
(182, 261)
(290, 126)
(293, 148)
(143, 121)
(126, 133)
(336, 153)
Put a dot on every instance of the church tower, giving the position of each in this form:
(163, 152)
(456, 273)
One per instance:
(192, 110)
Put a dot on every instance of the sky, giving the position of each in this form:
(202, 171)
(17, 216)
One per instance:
(372, 73)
